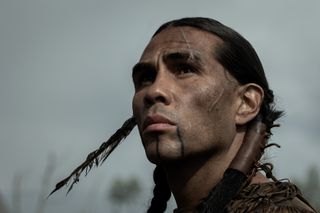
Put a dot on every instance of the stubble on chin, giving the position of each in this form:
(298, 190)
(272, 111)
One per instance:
(165, 149)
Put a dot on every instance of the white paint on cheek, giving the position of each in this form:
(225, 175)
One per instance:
(189, 126)
(216, 100)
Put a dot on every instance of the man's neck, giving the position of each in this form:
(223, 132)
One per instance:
(191, 180)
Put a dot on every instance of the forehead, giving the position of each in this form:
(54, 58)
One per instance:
(174, 39)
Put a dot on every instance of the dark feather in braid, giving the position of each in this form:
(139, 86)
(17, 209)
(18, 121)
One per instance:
(161, 192)
(98, 156)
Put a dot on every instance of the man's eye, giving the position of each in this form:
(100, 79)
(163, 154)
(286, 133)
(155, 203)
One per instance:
(185, 69)
(147, 77)
(144, 78)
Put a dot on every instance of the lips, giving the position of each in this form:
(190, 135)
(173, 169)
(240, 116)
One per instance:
(157, 123)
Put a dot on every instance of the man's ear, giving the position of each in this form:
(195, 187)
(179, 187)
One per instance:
(250, 100)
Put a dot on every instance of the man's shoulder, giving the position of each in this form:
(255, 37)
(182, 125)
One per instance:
(270, 197)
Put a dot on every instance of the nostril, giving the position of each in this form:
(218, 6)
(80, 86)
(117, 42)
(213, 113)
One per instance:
(160, 99)
(150, 100)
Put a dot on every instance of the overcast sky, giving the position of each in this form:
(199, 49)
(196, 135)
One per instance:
(65, 85)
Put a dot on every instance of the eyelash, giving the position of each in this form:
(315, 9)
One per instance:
(181, 68)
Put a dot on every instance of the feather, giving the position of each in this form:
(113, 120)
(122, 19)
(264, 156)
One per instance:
(98, 156)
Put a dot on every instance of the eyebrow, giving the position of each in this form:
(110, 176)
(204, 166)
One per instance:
(183, 56)
(193, 57)
(140, 66)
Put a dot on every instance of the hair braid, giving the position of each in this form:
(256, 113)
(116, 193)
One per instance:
(161, 192)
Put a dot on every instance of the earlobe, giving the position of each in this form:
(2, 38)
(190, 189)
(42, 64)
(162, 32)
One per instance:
(250, 100)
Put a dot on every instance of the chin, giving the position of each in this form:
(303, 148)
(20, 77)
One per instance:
(164, 148)
(160, 155)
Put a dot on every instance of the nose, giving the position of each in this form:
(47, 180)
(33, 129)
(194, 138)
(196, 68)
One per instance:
(159, 91)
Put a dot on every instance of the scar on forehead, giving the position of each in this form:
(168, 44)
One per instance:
(191, 56)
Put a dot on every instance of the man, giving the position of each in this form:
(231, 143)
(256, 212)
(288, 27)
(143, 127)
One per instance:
(204, 112)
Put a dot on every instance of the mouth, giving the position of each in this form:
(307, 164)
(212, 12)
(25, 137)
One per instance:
(156, 123)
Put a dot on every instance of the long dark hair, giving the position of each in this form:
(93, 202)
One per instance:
(240, 59)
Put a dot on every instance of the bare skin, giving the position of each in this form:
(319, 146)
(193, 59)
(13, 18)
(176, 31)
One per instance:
(190, 111)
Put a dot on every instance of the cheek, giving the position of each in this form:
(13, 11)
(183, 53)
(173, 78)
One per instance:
(134, 105)
(208, 100)
(208, 120)
(137, 105)
(210, 108)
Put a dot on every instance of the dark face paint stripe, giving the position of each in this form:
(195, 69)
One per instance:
(181, 141)
(158, 152)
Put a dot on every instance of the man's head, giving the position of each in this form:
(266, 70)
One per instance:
(238, 57)
(197, 84)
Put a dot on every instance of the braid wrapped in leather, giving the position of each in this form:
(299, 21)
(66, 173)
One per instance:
(236, 176)
(161, 192)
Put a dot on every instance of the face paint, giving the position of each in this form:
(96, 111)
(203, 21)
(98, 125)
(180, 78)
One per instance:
(214, 102)
(158, 152)
(181, 141)
(187, 43)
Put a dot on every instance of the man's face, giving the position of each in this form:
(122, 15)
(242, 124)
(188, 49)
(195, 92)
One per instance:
(184, 100)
